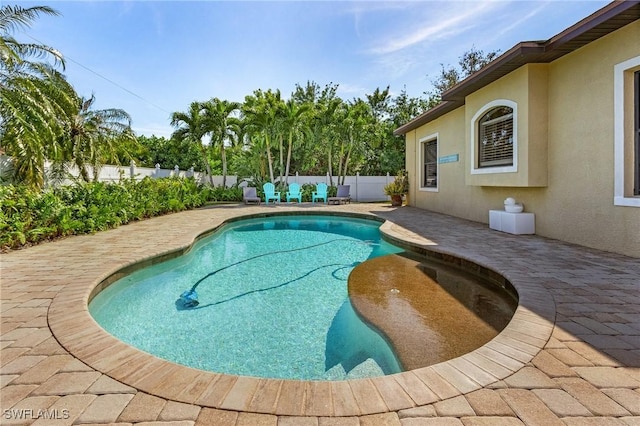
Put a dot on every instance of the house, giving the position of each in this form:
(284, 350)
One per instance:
(554, 124)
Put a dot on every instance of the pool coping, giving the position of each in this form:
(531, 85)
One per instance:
(525, 335)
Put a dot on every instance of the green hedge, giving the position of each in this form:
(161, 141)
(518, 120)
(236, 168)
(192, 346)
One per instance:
(29, 216)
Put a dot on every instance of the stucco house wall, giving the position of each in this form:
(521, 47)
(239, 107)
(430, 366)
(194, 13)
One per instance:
(565, 149)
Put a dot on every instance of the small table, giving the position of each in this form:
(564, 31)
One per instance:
(512, 223)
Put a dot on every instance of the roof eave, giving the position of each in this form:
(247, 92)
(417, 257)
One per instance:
(574, 37)
(430, 114)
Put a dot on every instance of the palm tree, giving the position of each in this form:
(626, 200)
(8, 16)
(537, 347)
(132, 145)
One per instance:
(32, 96)
(293, 123)
(13, 54)
(33, 108)
(94, 137)
(191, 126)
(260, 112)
(354, 128)
(222, 126)
(325, 123)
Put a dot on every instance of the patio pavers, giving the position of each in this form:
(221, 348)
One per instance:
(571, 355)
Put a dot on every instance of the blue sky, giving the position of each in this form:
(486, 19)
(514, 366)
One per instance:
(151, 58)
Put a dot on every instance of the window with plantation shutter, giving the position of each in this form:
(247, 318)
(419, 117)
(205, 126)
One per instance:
(495, 137)
(430, 164)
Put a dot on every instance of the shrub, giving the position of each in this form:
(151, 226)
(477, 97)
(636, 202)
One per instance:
(29, 216)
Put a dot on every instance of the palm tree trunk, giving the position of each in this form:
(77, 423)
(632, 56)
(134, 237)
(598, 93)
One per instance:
(82, 169)
(223, 156)
(346, 164)
(346, 160)
(206, 163)
(286, 174)
(330, 167)
(269, 159)
(281, 139)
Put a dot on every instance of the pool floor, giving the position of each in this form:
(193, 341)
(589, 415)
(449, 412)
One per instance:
(430, 312)
(272, 302)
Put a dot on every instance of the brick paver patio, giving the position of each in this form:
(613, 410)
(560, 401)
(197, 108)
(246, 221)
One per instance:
(570, 356)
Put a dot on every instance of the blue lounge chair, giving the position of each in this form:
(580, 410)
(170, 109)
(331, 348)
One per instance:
(270, 193)
(319, 193)
(294, 192)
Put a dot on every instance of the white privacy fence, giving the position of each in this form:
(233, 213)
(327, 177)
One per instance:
(362, 188)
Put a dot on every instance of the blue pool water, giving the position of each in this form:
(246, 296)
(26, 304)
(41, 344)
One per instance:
(273, 302)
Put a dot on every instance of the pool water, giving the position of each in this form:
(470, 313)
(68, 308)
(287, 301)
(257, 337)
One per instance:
(273, 302)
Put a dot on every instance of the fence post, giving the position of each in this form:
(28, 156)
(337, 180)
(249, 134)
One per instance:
(297, 177)
(157, 171)
(357, 176)
(176, 171)
(191, 172)
(132, 169)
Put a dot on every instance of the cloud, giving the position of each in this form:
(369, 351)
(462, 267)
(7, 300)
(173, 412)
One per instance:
(157, 129)
(360, 10)
(398, 64)
(455, 22)
(518, 22)
(347, 90)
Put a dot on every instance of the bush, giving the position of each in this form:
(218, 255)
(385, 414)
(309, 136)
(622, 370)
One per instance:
(29, 216)
(220, 193)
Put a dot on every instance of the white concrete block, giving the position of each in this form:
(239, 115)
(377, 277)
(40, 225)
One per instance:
(512, 223)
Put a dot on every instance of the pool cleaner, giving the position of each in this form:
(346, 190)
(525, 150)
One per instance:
(189, 299)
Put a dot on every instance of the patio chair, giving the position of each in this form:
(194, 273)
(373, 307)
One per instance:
(249, 195)
(342, 196)
(294, 192)
(270, 193)
(319, 193)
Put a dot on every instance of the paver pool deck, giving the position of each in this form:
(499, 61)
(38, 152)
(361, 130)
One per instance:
(570, 355)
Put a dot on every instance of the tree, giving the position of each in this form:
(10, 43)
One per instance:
(13, 54)
(221, 126)
(324, 125)
(474, 60)
(93, 137)
(191, 126)
(41, 115)
(355, 128)
(379, 103)
(152, 150)
(32, 95)
(31, 108)
(294, 127)
(260, 112)
(470, 62)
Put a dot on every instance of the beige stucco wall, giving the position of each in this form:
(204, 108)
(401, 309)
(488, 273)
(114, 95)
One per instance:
(565, 121)
(526, 87)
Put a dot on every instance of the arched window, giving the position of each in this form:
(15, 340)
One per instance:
(495, 137)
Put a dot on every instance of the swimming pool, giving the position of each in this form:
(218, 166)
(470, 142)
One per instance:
(272, 302)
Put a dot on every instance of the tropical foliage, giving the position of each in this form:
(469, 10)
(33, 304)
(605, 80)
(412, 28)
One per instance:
(265, 138)
(30, 216)
(42, 118)
(399, 186)
(314, 132)
(168, 153)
